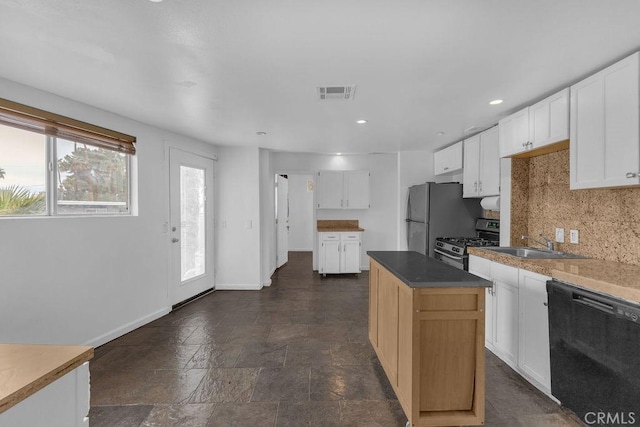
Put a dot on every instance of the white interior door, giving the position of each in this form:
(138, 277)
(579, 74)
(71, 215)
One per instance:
(191, 233)
(282, 220)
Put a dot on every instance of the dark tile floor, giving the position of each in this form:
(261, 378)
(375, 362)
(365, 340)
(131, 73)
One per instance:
(294, 354)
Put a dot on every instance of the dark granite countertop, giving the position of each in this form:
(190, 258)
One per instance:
(419, 271)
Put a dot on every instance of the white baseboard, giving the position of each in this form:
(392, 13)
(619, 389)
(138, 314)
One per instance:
(120, 331)
(237, 287)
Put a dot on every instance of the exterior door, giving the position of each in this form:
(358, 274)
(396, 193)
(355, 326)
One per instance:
(191, 224)
(282, 220)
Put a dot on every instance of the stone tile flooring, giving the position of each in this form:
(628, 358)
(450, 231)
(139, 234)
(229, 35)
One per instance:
(293, 354)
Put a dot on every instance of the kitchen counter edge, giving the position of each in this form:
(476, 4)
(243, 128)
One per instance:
(606, 277)
(26, 369)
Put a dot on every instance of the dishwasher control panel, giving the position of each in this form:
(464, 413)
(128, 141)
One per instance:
(629, 314)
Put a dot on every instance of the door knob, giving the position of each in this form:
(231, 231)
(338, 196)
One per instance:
(175, 240)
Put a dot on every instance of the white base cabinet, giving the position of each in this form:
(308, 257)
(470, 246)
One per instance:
(339, 252)
(516, 319)
(64, 402)
(533, 349)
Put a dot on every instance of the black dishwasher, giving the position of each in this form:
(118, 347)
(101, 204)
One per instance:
(595, 355)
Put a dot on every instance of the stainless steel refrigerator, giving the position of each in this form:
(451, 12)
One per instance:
(438, 210)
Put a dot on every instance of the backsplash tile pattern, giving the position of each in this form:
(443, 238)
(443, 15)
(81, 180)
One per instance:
(608, 220)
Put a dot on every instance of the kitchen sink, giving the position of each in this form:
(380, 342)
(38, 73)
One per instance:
(534, 253)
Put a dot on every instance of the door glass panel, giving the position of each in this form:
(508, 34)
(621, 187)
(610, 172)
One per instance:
(192, 222)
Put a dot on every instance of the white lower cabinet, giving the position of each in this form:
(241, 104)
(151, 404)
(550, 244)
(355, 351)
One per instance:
(339, 252)
(505, 279)
(64, 403)
(516, 322)
(533, 354)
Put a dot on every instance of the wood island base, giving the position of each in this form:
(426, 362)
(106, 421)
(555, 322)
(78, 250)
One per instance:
(430, 342)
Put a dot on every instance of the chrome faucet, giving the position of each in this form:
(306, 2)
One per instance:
(547, 242)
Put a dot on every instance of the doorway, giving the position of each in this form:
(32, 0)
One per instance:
(191, 224)
(282, 220)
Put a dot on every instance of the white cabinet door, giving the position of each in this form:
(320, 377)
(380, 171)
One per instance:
(514, 133)
(350, 256)
(481, 174)
(356, 189)
(605, 127)
(549, 120)
(533, 354)
(481, 267)
(506, 312)
(329, 257)
(448, 160)
(489, 179)
(471, 172)
(330, 190)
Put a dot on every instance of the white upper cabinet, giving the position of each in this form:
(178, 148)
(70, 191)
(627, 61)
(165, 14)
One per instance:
(448, 160)
(343, 190)
(481, 174)
(549, 120)
(356, 189)
(330, 190)
(605, 127)
(514, 133)
(544, 123)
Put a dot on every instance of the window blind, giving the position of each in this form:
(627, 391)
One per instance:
(36, 120)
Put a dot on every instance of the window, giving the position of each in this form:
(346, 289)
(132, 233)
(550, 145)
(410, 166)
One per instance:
(56, 169)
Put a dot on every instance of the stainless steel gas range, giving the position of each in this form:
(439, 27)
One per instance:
(453, 250)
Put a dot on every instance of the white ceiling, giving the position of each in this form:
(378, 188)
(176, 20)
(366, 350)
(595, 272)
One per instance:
(221, 70)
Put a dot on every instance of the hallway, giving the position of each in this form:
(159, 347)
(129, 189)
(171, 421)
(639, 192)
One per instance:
(295, 353)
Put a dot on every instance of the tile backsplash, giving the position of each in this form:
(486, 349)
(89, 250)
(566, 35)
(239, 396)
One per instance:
(608, 220)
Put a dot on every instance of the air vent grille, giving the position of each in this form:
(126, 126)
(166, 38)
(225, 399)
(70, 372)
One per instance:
(335, 93)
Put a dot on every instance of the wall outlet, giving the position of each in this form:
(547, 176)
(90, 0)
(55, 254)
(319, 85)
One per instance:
(560, 235)
(573, 235)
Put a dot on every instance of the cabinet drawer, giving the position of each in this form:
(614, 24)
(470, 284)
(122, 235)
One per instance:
(350, 236)
(504, 273)
(329, 236)
(480, 266)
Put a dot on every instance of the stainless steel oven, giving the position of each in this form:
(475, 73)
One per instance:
(458, 261)
(453, 250)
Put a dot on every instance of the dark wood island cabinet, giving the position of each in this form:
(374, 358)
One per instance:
(426, 324)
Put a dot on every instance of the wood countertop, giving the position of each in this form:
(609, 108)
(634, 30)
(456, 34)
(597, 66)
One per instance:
(338, 225)
(419, 271)
(25, 369)
(608, 277)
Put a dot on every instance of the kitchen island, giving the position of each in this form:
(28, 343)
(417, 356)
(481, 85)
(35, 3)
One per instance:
(426, 324)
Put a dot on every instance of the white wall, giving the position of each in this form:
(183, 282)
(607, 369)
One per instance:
(87, 280)
(380, 221)
(238, 254)
(301, 207)
(267, 218)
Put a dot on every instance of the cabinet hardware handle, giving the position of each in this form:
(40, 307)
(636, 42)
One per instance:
(446, 168)
(546, 304)
(524, 144)
(631, 174)
(480, 187)
(175, 240)
(475, 186)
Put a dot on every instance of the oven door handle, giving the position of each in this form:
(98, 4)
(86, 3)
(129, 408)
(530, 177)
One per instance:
(436, 250)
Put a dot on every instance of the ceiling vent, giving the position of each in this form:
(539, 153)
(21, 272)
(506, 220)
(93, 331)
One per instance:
(329, 93)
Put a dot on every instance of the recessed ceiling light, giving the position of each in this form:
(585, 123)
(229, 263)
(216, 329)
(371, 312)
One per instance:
(261, 133)
(338, 154)
(440, 133)
(495, 102)
(361, 121)
(155, 1)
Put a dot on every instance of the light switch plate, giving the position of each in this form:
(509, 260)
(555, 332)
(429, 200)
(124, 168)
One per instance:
(560, 235)
(573, 235)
